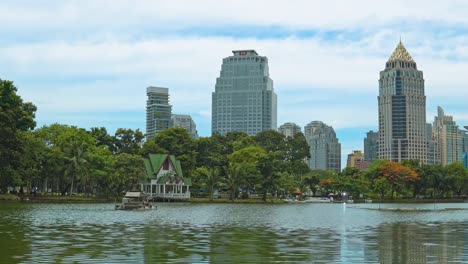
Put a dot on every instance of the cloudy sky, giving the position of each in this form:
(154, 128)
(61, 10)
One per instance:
(88, 63)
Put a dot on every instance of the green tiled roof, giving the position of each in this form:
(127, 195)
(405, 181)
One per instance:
(154, 163)
(148, 168)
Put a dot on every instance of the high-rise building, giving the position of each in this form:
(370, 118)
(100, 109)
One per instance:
(465, 147)
(356, 155)
(244, 99)
(431, 146)
(289, 129)
(158, 110)
(370, 146)
(448, 137)
(402, 109)
(185, 121)
(325, 150)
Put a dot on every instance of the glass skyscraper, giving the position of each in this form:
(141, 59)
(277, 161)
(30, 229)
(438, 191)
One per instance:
(158, 111)
(370, 146)
(402, 109)
(244, 99)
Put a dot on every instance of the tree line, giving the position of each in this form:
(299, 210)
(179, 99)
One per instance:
(66, 159)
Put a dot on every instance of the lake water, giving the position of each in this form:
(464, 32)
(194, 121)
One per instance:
(233, 233)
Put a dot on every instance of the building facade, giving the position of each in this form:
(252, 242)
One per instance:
(158, 110)
(289, 129)
(370, 146)
(325, 149)
(402, 109)
(449, 141)
(185, 121)
(244, 99)
(355, 157)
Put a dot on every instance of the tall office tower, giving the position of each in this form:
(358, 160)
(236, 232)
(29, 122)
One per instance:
(289, 129)
(185, 121)
(244, 99)
(325, 150)
(370, 146)
(448, 138)
(431, 147)
(402, 109)
(158, 111)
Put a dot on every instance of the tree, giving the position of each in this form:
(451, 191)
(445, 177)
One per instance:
(270, 179)
(212, 180)
(397, 175)
(176, 141)
(103, 138)
(128, 171)
(15, 116)
(128, 141)
(457, 178)
(232, 180)
(77, 162)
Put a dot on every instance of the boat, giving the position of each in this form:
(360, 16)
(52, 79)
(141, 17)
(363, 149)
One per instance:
(368, 200)
(135, 200)
(350, 201)
(318, 200)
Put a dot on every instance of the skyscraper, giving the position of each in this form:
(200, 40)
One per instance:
(402, 109)
(289, 129)
(158, 110)
(448, 137)
(185, 121)
(356, 155)
(370, 146)
(325, 150)
(244, 99)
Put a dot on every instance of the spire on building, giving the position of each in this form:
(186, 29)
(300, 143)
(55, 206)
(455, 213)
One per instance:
(400, 54)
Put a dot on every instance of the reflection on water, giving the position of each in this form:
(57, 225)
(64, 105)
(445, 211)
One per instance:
(204, 233)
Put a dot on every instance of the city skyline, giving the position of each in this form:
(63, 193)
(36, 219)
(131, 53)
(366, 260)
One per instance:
(93, 72)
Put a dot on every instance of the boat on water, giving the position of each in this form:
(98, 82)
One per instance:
(349, 201)
(368, 200)
(135, 201)
(318, 200)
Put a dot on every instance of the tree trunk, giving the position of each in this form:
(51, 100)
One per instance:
(71, 189)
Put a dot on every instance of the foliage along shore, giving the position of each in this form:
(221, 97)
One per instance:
(65, 159)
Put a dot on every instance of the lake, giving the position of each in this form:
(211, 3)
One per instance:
(233, 233)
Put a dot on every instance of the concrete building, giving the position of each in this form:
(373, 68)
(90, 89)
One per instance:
(158, 110)
(402, 109)
(370, 146)
(449, 144)
(465, 146)
(289, 129)
(325, 150)
(355, 156)
(244, 99)
(185, 121)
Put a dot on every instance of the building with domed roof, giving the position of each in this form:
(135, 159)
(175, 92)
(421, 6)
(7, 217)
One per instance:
(402, 109)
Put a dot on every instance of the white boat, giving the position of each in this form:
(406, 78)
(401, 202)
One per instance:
(135, 201)
(368, 200)
(350, 201)
(318, 200)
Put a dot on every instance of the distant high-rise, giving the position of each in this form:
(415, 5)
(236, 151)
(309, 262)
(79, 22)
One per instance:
(357, 155)
(402, 109)
(325, 150)
(289, 129)
(431, 146)
(244, 99)
(448, 138)
(158, 110)
(185, 121)
(370, 146)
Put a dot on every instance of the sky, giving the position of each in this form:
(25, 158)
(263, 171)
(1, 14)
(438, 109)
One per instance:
(88, 63)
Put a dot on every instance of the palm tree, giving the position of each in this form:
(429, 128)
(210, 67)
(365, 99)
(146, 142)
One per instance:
(77, 163)
(212, 180)
(232, 180)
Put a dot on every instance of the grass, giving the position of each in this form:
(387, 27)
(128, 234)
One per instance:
(237, 201)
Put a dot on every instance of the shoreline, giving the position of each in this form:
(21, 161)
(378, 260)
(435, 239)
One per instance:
(94, 199)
